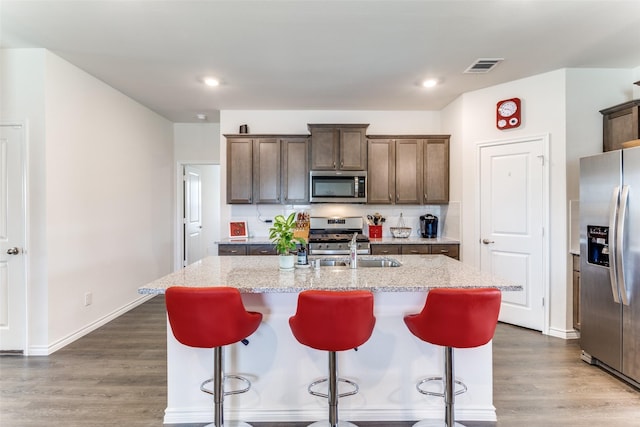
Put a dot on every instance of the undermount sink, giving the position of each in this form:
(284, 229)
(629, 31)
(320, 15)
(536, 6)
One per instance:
(385, 262)
(362, 262)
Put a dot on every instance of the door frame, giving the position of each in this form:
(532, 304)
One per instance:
(25, 217)
(545, 209)
(179, 212)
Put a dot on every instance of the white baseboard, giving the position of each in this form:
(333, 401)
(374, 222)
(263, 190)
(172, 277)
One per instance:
(205, 415)
(41, 350)
(567, 334)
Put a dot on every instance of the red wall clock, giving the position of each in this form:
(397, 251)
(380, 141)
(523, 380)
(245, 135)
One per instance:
(508, 114)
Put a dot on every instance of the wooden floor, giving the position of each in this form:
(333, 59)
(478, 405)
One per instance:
(116, 376)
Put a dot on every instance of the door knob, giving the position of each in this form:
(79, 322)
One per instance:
(487, 241)
(13, 251)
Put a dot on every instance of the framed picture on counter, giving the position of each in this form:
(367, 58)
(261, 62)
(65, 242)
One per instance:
(238, 230)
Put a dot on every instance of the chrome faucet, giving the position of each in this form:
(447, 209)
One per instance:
(353, 248)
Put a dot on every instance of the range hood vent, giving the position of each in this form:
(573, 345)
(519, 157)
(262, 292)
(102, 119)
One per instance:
(483, 65)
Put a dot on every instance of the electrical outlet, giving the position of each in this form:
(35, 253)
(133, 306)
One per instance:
(88, 298)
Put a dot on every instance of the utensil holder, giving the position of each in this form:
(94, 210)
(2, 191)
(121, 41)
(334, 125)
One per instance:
(375, 231)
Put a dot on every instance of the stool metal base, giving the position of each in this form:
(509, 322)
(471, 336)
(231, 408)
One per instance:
(435, 423)
(326, 423)
(231, 424)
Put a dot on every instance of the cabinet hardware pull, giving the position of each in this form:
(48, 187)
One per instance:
(264, 252)
(487, 241)
(342, 164)
(390, 198)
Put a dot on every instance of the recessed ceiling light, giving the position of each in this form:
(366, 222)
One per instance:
(210, 81)
(201, 116)
(430, 83)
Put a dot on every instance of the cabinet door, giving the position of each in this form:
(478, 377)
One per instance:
(295, 170)
(436, 171)
(324, 148)
(385, 249)
(239, 170)
(262, 250)
(449, 250)
(621, 124)
(408, 171)
(415, 249)
(232, 250)
(381, 171)
(353, 149)
(266, 170)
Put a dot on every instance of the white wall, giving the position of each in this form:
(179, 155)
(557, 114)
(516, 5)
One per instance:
(100, 197)
(22, 91)
(563, 104)
(198, 144)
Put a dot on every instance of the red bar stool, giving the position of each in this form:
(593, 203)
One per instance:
(333, 321)
(454, 318)
(212, 318)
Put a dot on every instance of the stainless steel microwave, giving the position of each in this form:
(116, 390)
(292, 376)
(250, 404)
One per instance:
(338, 187)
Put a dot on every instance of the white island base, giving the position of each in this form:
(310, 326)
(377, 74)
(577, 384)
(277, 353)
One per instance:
(386, 368)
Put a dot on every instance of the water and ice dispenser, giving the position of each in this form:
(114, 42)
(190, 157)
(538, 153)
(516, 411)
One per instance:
(598, 245)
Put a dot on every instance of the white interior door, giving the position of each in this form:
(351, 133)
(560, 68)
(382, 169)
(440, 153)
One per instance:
(12, 239)
(512, 225)
(193, 247)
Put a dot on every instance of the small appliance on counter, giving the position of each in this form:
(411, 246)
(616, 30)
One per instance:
(429, 226)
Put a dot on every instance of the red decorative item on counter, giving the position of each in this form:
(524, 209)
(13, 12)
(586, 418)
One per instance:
(375, 231)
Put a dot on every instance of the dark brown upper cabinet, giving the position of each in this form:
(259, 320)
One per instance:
(408, 169)
(338, 147)
(269, 169)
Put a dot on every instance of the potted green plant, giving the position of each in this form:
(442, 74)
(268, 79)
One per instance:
(281, 235)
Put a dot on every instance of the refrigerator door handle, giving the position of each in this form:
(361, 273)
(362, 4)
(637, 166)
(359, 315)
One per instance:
(613, 259)
(620, 250)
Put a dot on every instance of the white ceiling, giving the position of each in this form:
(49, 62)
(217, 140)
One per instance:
(309, 54)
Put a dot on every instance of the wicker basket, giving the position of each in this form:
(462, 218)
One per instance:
(402, 232)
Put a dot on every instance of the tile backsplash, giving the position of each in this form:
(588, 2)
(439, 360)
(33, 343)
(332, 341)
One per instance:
(448, 216)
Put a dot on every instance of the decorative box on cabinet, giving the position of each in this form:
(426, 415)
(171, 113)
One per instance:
(620, 124)
(338, 146)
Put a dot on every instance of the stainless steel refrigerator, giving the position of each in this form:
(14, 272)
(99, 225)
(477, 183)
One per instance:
(610, 261)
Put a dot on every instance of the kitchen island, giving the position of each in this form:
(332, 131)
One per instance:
(387, 367)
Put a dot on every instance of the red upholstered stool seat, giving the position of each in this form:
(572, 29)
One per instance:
(455, 318)
(211, 318)
(333, 321)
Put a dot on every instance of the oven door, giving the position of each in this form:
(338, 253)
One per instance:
(338, 187)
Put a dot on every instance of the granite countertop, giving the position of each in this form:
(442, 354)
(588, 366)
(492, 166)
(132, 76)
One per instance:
(389, 240)
(260, 274)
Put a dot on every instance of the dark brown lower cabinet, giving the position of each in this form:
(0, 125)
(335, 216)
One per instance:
(448, 249)
(231, 249)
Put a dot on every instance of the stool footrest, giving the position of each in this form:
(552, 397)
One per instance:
(325, 395)
(433, 393)
(227, 393)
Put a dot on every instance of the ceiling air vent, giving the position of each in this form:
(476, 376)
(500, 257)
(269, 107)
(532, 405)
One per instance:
(483, 65)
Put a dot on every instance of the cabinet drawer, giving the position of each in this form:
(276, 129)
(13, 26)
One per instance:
(415, 249)
(385, 249)
(448, 250)
(262, 250)
(226, 250)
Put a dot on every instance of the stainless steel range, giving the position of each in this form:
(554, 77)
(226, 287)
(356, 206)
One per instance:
(331, 236)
